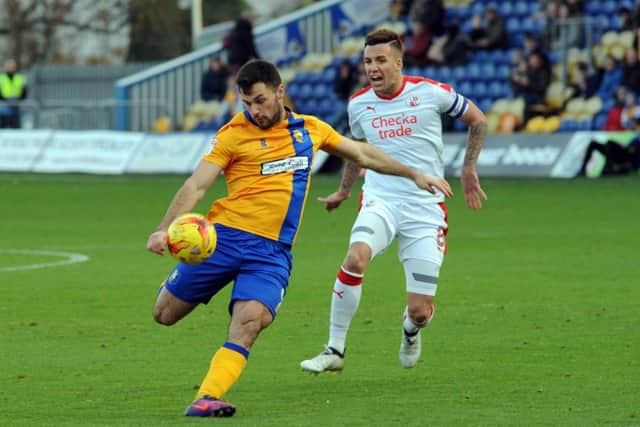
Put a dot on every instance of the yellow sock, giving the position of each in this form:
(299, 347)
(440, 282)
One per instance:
(225, 369)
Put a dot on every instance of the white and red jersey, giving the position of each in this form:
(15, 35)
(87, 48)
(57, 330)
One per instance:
(406, 126)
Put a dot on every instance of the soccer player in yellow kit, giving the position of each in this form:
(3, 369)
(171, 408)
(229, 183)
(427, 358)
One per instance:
(266, 154)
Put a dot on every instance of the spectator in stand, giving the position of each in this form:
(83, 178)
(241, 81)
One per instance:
(430, 13)
(530, 82)
(496, 33)
(450, 49)
(574, 7)
(635, 16)
(399, 9)
(416, 45)
(533, 45)
(344, 84)
(570, 30)
(630, 112)
(13, 89)
(611, 77)
(551, 29)
(625, 19)
(583, 81)
(631, 71)
(346, 79)
(214, 81)
(614, 116)
(241, 44)
(619, 159)
(477, 31)
(231, 103)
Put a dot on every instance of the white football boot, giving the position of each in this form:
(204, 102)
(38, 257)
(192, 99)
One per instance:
(329, 360)
(411, 344)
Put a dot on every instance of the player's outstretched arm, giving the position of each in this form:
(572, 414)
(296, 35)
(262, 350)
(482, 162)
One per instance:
(476, 121)
(367, 156)
(349, 176)
(184, 201)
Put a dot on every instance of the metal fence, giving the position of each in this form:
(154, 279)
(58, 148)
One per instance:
(79, 114)
(178, 80)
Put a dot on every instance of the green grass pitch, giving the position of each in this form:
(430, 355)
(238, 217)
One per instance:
(537, 322)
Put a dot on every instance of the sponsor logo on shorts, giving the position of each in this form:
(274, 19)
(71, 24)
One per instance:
(174, 275)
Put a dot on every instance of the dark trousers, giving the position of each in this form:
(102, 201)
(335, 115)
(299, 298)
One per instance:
(617, 158)
(11, 120)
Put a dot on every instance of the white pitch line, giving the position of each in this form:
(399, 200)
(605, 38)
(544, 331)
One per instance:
(71, 258)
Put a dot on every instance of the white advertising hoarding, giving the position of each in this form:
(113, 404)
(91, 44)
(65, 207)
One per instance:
(102, 152)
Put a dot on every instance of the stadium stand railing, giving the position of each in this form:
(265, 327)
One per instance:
(317, 28)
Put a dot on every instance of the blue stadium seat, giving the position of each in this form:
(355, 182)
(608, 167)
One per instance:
(320, 91)
(568, 125)
(328, 75)
(485, 104)
(301, 77)
(477, 8)
(315, 77)
(507, 92)
(327, 106)
(495, 90)
(473, 71)
(527, 25)
(465, 28)
(513, 24)
(480, 90)
(505, 10)
(464, 12)
(293, 89)
(413, 70)
(459, 126)
(465, 88)
(488, 71)
(430, 72)
(306, 91)
(592, 8)
(444, 74)
(599, 120)
(336, 61)
(521, 9)
(459, 72)
(503, 72)
(609, 7)
(481, 56)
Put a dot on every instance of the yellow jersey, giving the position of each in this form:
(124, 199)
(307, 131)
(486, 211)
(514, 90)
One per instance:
(267, 172)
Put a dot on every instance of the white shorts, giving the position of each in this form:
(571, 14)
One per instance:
(420, 229)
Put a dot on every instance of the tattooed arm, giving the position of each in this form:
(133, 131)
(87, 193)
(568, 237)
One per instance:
(477, 123)
(350, 174)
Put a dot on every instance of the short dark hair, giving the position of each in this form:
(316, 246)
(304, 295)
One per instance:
(258, 71)
(383, 35)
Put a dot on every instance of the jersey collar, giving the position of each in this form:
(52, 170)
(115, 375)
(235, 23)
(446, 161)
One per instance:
(398, 92)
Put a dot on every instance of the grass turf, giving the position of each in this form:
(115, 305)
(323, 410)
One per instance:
(536, 323)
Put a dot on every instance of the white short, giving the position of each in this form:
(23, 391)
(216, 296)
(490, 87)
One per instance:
(420, 229)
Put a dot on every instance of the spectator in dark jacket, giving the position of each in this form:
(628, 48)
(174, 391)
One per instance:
(416, 45)
(532, 82)
(619, 159)
(241, 45)
(496, 32)
(214, 81)
(430, 13)
(631, 71)
(346, 79)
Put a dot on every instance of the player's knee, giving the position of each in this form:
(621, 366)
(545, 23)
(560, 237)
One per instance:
(358, 258)
(163, 316)
(420, 313)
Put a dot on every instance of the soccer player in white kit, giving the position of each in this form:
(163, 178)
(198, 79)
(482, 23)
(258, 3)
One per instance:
(400, 115)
